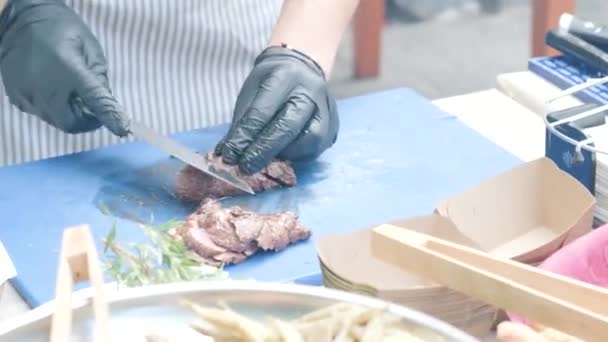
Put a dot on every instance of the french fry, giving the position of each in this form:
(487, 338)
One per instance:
(247, 329)
(287, 332)
(400, 336)
(337, 323)
(327, 312)
(207, 329)
(374, 330)
(343, 332)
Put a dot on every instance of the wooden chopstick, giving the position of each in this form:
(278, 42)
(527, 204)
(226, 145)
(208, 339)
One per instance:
(78, 262)
(556, 301)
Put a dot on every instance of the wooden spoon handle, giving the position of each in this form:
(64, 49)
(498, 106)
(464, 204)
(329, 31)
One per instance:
(78, 261)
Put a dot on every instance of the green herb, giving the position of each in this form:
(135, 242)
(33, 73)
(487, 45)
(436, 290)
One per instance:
(162, 260)
(110, 239)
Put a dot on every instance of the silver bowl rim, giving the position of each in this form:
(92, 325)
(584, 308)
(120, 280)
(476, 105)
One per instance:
(122, 295)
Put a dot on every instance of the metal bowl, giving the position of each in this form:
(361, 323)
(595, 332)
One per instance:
(135, 312)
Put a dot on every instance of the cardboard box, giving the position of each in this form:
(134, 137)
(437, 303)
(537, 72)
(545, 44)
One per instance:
(526, 213)
(7, 269)
(351, 261)
(353, 269)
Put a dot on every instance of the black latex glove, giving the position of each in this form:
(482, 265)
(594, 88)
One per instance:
(283, 110)
(53, 67)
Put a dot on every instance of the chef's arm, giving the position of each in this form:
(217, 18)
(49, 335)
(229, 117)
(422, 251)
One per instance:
(314, 27)
(2, 4)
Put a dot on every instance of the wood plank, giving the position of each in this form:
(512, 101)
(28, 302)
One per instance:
(367, 27)
(545, 16)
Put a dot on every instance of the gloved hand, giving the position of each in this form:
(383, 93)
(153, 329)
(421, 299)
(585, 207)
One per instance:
(283, 110)
(53, 67)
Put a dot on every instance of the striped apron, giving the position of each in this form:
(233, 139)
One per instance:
(174, 65)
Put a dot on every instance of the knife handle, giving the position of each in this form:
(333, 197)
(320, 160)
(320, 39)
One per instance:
(578, 48)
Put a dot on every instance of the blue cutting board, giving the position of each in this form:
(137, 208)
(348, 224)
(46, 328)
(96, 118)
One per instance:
(397, 155)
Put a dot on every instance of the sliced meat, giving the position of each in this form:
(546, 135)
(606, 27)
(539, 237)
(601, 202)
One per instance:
(200, 242)
(194, 186)
(230, 235)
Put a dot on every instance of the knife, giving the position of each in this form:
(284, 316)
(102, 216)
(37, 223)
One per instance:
(571, 45)
(188, 156)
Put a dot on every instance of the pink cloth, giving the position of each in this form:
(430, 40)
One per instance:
(585, 259)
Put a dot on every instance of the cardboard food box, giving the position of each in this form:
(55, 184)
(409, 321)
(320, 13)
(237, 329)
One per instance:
(7, 269)
(526, 214)
(353, 269)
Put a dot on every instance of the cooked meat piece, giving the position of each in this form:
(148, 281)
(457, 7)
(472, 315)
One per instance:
(230, 235)
(194, 186)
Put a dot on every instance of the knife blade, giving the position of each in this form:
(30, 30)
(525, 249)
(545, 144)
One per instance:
(188, 156)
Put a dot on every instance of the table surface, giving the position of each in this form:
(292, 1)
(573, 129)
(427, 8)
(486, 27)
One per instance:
(397, 152)
(488, 112)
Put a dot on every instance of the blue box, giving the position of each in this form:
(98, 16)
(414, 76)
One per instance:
(565, 72)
